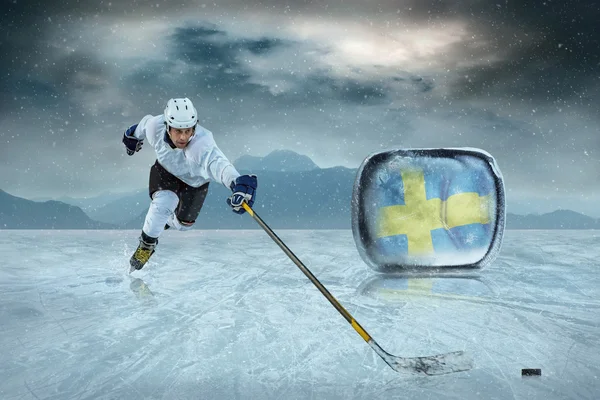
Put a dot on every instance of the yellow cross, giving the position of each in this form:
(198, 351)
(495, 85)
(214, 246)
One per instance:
(419, 216)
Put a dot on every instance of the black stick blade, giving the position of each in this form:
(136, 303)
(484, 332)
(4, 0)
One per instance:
(433, 365)
(439, 364)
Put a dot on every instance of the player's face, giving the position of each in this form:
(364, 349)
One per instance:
(181, 137)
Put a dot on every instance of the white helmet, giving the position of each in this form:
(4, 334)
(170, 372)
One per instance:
(181, 114)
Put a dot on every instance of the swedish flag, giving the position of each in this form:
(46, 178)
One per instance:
(431, 207)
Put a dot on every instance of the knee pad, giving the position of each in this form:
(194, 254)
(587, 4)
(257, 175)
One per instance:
(164, 202)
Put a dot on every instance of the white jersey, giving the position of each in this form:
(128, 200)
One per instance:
(199, 162)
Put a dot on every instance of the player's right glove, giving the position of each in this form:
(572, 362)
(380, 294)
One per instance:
(132, 143)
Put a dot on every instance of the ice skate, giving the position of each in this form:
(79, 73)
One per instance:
(142, 254)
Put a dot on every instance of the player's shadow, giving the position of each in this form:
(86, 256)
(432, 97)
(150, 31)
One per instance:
(411, 285)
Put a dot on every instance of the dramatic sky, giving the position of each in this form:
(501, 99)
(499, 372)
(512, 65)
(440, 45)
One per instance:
(332, 79)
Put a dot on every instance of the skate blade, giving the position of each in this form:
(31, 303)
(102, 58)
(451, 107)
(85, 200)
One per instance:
(137, 263)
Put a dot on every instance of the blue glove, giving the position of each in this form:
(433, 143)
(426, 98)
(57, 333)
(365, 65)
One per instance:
(244, 189)
(132, 143)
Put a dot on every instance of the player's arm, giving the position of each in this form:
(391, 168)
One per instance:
(134, 136)
(243, 187)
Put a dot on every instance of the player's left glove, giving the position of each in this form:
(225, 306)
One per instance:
(244, 189)
(132, 143)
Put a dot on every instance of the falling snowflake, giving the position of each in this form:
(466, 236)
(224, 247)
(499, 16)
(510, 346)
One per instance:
(470, 238)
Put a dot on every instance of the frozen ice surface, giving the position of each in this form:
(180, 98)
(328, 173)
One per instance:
(226, 315)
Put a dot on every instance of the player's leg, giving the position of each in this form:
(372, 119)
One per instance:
(191, 201)
(162, 189)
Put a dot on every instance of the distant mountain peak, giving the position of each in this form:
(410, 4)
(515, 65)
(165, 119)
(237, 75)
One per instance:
(558, 219)
(278, 160)
(562, 211)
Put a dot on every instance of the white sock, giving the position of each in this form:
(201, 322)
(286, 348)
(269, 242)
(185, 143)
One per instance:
(176, 224)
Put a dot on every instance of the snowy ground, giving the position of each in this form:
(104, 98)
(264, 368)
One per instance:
(226, 315)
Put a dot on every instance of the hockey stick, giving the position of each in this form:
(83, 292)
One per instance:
(429, 365)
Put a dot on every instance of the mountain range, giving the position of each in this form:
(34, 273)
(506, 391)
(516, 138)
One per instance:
(278, 160)
(293, 193)
(19, 213)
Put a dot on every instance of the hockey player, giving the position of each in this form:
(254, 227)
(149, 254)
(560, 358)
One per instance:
(187, 159)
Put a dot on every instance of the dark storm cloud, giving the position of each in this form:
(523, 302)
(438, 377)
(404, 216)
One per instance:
(33, 70)
(54, 88)
(292, 74)
(206, 46)
(215, 56)
(264, 46)
(550, 51)
(218, 63)
(323, 86)
(18, 43)
(215, 61)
